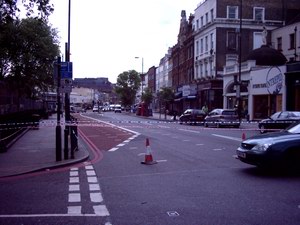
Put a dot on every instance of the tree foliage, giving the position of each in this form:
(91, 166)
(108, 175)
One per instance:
(166, 94)
(28, 49)
(10, 9)
(128, 83)
(147, 96)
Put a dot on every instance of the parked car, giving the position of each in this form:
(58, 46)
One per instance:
(274, 150)
(222, 118)
(192, 116)
(279, 120)
(96, 108)
(117, 108)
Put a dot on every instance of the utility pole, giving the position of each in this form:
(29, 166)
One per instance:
(58, 127)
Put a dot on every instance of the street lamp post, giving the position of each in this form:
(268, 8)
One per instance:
(142, 75)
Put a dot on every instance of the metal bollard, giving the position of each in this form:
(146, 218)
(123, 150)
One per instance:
(74, 139)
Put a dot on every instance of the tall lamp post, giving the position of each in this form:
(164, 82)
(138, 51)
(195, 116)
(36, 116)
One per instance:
(239, 78)
(142, 75)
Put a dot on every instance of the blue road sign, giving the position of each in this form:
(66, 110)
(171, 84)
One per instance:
(66, 70)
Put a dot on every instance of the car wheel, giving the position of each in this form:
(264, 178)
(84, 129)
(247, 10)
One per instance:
(262, 129)
(218, 125)
(205, 124)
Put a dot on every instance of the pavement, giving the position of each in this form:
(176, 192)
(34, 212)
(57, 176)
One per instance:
(35, 150)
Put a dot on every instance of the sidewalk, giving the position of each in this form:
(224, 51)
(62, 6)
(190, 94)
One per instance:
(36, 151)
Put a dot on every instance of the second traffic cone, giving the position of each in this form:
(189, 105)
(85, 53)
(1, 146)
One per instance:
(243, 136)
(148, 156)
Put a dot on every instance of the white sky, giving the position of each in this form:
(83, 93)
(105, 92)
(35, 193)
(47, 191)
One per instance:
(106, 36)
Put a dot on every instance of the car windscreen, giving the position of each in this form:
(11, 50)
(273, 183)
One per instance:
(295, 129)
(229, 113)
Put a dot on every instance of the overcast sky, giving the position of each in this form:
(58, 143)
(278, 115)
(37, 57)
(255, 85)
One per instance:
(106, 36)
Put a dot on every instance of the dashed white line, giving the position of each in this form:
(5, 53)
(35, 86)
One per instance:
(74, 179)
(101, 210)
(74, 197)
(74, 209)
(92, 180)
(90, 173)
(228, 137)
(74, 187)
(94, 187)
(96, 197)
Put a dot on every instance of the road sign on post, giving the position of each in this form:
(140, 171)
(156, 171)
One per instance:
(66, 70)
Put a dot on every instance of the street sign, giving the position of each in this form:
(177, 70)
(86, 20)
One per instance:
(66, 70)
(66, 85)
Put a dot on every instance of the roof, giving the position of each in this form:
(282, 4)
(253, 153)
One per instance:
(266, 56)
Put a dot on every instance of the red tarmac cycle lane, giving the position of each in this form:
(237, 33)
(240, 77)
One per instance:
(102, 135)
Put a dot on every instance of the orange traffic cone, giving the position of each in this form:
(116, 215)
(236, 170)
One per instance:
(243, 136)
(148, 156)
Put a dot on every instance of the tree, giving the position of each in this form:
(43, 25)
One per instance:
(11, 8)
(166, 95)
(29, 48)
(128, 83)
(147, 96)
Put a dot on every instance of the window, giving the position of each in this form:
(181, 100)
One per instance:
(231, 40)
(201, 21)
(197, 24)
(201, 46)
(206, 43)
(212, 15)
(206, 18)
(197, 48)
(292, 41)
(232, 12)
(259, 14)
(279, 44)
(211, 41)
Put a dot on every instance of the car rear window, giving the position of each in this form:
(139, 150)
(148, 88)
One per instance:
(229, 113)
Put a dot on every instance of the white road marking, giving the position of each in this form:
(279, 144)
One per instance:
(74, 187)
(74, 179)
(52, 215)
(90, 173)
(96, 197)
(74, 209)
(73, 173)
(199, 144)
(120, 145)
(228, 137)
(101, 210)
(217, 149)
(74, 197)
(92, 179)
(113, 149)
(94, 187)
(74, 169)
(133, 148)
(192, 131)
(89, 167)
(162, 160)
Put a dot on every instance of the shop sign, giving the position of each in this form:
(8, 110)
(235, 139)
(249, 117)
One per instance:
(274, 80)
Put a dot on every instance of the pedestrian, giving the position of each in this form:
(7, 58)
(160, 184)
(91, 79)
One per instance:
(205, 109)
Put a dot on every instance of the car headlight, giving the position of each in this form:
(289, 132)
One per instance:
(261, 147)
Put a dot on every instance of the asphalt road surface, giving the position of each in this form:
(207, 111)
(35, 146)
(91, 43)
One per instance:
(197, 180)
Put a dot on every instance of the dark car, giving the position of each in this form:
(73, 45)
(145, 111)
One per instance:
(192, 116)
(279, 120)
(222, 118)
(274, 150)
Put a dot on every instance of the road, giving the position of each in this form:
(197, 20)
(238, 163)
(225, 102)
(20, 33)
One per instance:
(197, 180)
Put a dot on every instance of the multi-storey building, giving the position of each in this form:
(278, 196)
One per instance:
(182, 55)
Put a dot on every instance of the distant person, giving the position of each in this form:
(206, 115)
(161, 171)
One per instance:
(205, 109)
